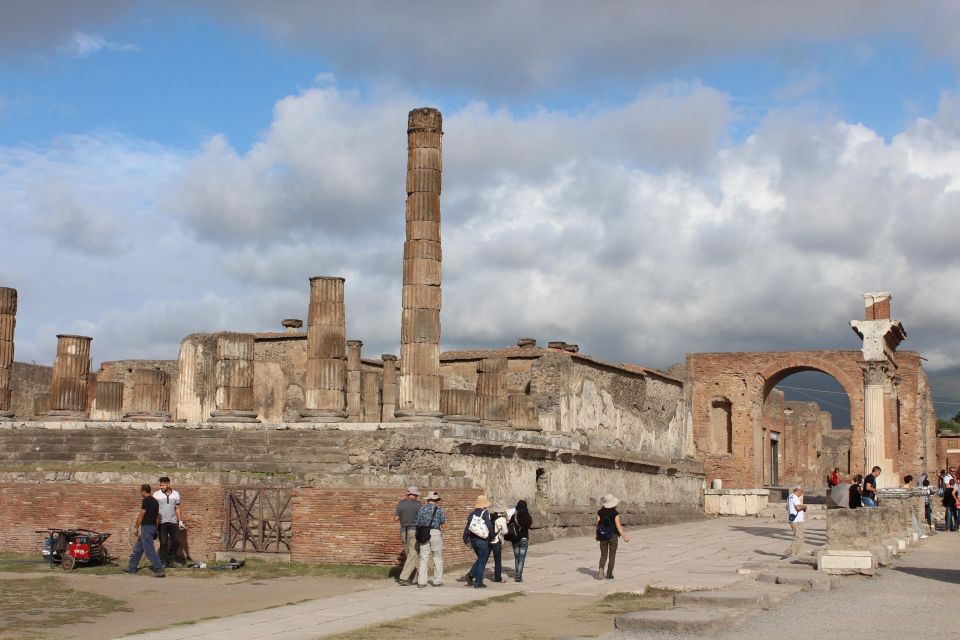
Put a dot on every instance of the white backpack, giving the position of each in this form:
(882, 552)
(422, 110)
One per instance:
(477, 526)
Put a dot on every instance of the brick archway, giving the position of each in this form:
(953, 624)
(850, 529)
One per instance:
(746, 379)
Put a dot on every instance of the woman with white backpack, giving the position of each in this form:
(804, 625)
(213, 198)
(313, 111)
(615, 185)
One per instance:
(476, 535)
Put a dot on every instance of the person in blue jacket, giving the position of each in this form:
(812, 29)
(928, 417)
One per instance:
(479, 543)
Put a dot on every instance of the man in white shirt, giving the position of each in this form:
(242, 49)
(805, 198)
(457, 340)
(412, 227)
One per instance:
(170, 521)
(795, 513)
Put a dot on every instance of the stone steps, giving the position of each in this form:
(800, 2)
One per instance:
(680, 620)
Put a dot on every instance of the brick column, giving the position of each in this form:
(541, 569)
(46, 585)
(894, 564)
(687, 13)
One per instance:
(151, 396)
(107, 402)
(353, 380)
(234, 372)
(326, 346)
(388, 387)
(68, 390)
(419, 384)
(8, 322)
(492, 392)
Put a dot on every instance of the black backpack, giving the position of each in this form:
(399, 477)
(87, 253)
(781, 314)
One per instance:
(605, 529)
(514, 530)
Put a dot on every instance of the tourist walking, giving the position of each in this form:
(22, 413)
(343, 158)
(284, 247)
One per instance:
(146, 529)
(499, 518)
(476, 534)
(170, 521)
(609, 531)
(795, 514)
(406, 514)
(518, 530)
(950, 505)
(927, 507)
(431, 515)
(869, 494)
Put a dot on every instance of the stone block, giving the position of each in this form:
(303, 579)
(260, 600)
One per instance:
(699, 621)
(728, 598)
(841, 561)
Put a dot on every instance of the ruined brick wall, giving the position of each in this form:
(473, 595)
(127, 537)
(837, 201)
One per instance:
(918, 420)
(355, 526)
(122, 371)
(948, 454)
(30, 381)
(109, 508)
(836, 451)
(744, 380)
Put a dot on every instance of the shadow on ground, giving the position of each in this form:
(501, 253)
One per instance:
(943, 575)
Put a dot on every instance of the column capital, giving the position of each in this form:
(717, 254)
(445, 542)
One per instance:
(874, 373)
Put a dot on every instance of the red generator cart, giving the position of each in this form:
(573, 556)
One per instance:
(70, 547)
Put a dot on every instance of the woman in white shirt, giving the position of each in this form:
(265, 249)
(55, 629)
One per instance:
(795, 513)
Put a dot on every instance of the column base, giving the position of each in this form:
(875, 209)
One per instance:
(147, 416)
(227, 415)
(412, 415)
(461, 418)
(65, 415)
(322, 415)
(6, 415)
(496, 424)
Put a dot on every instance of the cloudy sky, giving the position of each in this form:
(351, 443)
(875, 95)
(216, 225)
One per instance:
(645, 179)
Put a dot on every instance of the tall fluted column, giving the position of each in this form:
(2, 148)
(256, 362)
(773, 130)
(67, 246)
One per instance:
(873, 424)
(388, 387)
(8, 323)
(151, 396)
(234, 370)
(68, 390)
(492, 404)
(107, 401)
(353, 380)
(326, 346)
(419, 384)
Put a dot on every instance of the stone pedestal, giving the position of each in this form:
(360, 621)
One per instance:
(8, 323)
(107, 402)
(419, 384)
(68, 389)
(388, 388)
(325, 377)
(234, 372)
(151, 396)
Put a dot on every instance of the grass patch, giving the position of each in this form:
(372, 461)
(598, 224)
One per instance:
(623, 601)
(415, 624)
(33, 604)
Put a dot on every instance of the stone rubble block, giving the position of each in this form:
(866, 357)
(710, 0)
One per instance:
(727, 598)
(700, 621)
(846, 561)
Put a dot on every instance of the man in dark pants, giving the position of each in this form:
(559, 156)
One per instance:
(146, 528)
(170, 521)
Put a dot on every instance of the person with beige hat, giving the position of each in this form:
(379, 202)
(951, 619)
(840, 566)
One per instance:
(476, 534)
(406, 514)
(499, 519)
(431, 515)
(609, 531)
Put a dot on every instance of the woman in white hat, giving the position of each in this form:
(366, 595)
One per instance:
(609, 531)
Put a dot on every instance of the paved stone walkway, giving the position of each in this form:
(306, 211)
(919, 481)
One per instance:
(699, 555)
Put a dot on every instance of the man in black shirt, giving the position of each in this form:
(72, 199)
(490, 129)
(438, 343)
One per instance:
(869, 497)
(146, 528)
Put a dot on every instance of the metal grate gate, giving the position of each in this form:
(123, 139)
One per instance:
(258, 520)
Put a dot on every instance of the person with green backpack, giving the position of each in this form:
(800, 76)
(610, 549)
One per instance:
(609, 530)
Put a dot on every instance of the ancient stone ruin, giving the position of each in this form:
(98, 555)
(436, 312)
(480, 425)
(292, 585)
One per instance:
(296, 426)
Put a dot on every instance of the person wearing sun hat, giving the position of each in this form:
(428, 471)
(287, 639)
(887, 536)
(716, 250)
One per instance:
(609, 530)
(499, 519)
(431, 515)
(476, 535)
(406, 514)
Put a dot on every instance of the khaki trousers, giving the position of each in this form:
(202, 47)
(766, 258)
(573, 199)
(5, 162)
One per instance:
(413, 555)
(797, 546)
(435, 546)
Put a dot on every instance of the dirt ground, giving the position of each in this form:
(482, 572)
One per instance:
(135, 603)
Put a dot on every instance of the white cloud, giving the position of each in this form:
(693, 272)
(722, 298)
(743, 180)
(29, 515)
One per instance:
(591, 226)
(82, 45)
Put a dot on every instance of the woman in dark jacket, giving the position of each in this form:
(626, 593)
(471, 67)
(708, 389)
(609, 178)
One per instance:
(854, 502)
(523, 520)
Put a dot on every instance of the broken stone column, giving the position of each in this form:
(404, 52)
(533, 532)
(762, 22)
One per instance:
(419, 386)
(370, 393)
(326, 348)
(353, 380)
(492, 392)
(526, 343)
(107, 402)
(292, 325)
(234, 374)
(388, 392)
(68, 390)
(151, 396)
(459, 405)
(522, 412)
(8, 323)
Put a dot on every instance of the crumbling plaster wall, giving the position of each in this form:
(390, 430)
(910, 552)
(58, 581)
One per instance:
(122, 371)
(30, 381)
